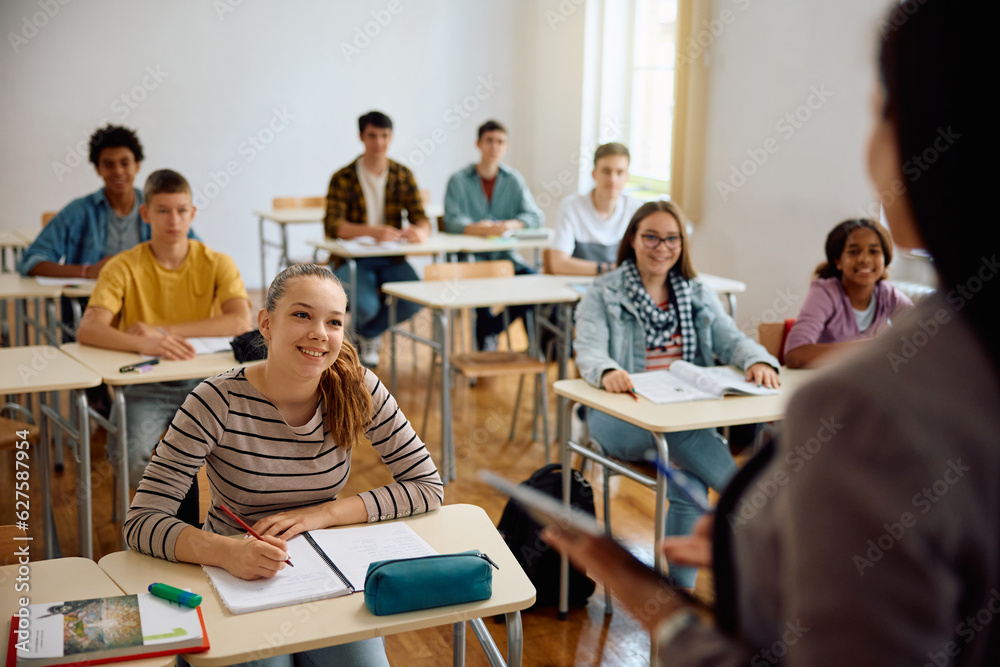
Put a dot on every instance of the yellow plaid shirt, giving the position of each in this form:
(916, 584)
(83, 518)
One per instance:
(346, 202)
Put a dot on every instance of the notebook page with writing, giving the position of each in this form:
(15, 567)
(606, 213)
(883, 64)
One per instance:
(310, 579)
(353, 549)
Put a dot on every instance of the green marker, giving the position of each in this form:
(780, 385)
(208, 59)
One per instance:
(175, 595)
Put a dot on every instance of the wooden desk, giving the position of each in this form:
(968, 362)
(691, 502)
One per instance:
(12, 240)
(107, 363)
(242, 637)
(56, 581)
(40, 369)
(447, 295)
(661, 420)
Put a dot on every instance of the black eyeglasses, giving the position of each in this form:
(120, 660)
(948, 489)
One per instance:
(652, 241)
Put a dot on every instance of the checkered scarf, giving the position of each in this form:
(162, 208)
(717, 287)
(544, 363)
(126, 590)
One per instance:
(661, 325)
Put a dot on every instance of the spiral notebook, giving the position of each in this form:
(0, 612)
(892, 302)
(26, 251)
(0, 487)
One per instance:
(328, 563)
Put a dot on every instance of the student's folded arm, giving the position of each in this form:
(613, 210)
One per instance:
(43, 256)
(564, 264)
(801, 346)
(96, 329)
(455, 217)
(234, 320)
(592, 338)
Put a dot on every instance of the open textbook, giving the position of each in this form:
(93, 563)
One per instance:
(100, 630)
(685, 381)
(327, 563)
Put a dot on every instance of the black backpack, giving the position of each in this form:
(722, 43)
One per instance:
(538, 560)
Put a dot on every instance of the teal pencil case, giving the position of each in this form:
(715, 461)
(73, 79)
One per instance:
(408, 584)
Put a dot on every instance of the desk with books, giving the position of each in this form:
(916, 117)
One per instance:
(338, 620)
(55, 581)
(661, 420)
(107, 364)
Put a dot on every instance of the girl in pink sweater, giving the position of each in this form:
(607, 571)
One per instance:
(850, 299)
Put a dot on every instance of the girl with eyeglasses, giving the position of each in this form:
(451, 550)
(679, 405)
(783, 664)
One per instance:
(643, 316)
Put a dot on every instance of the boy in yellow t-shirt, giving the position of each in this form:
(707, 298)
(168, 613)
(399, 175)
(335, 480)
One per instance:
(150, 298)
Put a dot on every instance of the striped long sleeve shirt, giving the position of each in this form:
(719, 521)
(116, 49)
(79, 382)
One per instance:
(258, 465)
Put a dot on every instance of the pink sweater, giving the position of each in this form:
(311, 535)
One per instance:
(827, 315)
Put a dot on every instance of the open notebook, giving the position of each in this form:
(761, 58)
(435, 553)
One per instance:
(685, 381)
(328, 563)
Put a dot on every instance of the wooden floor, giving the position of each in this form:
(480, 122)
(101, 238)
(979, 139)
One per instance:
(482, 417)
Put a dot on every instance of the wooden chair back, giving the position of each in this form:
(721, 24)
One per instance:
(47, 216)
(297, 202)
(456, 270)
(772, 336)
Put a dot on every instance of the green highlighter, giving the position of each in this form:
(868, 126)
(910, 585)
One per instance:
(175, 595)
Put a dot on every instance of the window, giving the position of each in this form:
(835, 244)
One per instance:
(651, 112)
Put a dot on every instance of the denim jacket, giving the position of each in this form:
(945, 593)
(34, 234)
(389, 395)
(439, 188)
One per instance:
(77, 234)
(610, 335)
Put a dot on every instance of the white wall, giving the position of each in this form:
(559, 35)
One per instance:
(766, 63)
(224, 73)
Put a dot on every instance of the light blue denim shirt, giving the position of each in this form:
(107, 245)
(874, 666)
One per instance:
(465, 202)
(78, 234)
(610, 335)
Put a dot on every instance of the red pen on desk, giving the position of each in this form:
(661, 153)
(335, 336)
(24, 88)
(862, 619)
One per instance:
(633, 394)
(246, 527)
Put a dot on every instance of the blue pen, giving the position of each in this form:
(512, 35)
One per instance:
(683, 483)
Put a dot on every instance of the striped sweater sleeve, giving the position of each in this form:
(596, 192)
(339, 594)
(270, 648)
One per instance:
(417, 487)
(151, 525)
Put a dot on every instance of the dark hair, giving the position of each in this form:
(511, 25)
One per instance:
(342, 385)
(608, 150)
(164, 181)
(113, 136)
(626, 251)
(375, 119)
(926, 58)
(836, 240)
(491, 126)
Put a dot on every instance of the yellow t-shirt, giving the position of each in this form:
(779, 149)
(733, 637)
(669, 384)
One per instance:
(134, 285)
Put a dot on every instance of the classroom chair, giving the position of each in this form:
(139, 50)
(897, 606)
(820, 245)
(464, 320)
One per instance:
(497, 363)
(772, 336)
(12, 538)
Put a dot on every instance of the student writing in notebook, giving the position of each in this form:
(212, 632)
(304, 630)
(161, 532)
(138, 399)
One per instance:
(642, 316)
(850, 300)
(277, 440)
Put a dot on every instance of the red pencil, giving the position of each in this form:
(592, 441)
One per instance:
(246, 527)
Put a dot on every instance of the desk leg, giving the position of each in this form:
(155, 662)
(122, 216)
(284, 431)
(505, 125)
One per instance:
(565, 410)
(458, 644)
(486, 641)
(660, 520)
(515, 639)
(285, 261)
(447, 435)
(732, 304)
(118, 412)
(85, 517)
(44, 472)
(392, 344)
(352, 273)
(263, 256)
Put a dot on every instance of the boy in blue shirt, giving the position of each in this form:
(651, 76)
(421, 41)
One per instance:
(487, 199)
